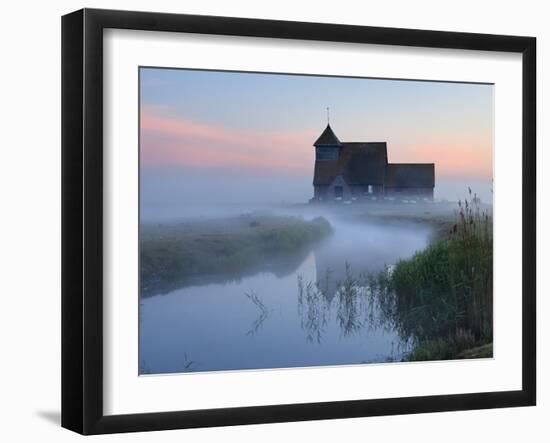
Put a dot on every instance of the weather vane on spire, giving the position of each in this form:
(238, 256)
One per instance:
(328, 115)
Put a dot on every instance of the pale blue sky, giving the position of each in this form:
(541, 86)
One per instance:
(244, 127)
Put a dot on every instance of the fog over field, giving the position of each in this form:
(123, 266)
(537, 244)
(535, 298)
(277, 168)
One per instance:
(175, 193)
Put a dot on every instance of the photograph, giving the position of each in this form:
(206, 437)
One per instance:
(294, 221)
(275, 222)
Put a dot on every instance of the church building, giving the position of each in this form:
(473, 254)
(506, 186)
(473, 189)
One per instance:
(350, 171)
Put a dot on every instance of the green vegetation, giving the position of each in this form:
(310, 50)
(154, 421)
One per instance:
(443, 296)
(439, 301)
(484, 351)
(208, 250)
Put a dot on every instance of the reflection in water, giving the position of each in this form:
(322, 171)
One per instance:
(360, 302)
(327, 311)
(313, 309)
(350, 297)
(281, 264)
(264, 312)
(187, 363)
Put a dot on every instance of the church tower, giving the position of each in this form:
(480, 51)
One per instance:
(327, 146)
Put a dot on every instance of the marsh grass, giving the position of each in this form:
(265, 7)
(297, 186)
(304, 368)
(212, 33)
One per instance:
(313, 309)
(173, 256)
(357, 306)
(444, 294)
(440, 301)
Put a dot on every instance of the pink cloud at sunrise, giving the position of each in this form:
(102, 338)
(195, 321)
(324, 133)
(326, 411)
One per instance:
(248, 137)
(176, 141)
(461, 158)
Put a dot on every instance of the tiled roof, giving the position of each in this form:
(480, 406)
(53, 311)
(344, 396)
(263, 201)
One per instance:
(367, 164)
(410, 175)
(358, 163)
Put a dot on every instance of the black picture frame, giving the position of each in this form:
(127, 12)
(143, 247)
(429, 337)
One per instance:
(82, 218)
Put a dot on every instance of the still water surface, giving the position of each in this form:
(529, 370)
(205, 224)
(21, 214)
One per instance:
(265, 321)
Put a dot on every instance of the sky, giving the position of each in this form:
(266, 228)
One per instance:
(252, 133)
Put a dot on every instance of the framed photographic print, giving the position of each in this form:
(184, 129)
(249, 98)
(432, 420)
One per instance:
(270, 221)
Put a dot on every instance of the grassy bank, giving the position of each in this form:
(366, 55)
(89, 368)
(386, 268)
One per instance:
(444, 294)
(440, 217)
(219, 249)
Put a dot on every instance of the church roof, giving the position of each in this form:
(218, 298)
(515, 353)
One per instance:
(410, 175)
(358, 163)
(366, 163)
(328, 137)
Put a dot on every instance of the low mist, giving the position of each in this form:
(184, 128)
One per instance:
(173, 194)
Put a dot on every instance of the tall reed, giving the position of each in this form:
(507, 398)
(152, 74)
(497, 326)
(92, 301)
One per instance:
(445, 293)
